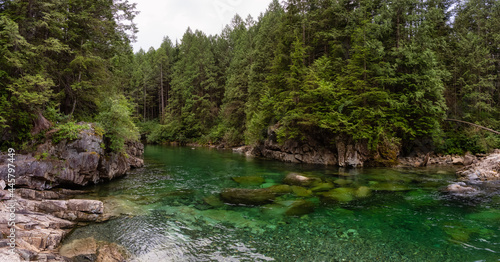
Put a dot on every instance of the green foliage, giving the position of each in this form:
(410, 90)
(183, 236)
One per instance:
(115, 119)
(462, 140)
(67, 131)
(146, 128)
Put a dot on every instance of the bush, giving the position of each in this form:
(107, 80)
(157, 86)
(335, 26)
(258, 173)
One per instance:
(67, 131)
(114, 117)
(474, 140)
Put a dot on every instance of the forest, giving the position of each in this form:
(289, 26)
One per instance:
(386, 72)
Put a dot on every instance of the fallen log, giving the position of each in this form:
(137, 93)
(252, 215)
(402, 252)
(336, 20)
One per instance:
(472, 124)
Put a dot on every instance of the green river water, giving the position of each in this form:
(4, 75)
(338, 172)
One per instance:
(170, 211)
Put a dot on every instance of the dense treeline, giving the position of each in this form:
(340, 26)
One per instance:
(65, 61)
(387, 72)
(384, 72)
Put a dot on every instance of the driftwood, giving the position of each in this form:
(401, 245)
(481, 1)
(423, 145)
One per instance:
(472, 124)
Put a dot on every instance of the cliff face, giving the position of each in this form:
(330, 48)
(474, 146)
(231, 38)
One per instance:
(344, 153)
(75, 163)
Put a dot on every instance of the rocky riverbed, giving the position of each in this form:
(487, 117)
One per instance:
(480, 177)
(45, 212)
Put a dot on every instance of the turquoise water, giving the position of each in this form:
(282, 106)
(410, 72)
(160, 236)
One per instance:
(170, 211)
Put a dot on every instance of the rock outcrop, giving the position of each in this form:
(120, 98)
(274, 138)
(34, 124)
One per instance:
(41, 224)
(487, 169)
(72, 163)
(480, 178)
(345, 152)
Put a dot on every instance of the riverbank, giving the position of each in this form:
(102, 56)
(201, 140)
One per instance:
(40, 202)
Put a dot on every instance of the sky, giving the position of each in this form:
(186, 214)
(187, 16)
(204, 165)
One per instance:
(160, 18)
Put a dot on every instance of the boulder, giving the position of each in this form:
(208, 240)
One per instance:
(460, 188)
(249, 180)
(296, 179)
(341, 194)
(319, 187)
(362, 192)
(280, 189)
(301, 191)
(485, 170)
(242, 196)
(389, 187)
(457, 160)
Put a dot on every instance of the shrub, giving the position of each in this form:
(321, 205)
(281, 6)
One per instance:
(67, 131)
(115, 119)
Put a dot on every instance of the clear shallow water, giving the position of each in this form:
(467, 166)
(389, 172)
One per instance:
(166, 215)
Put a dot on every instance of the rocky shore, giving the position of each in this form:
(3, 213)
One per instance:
(480, 177)
(45, 212)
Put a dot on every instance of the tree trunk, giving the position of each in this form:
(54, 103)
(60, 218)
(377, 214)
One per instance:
(472, 124)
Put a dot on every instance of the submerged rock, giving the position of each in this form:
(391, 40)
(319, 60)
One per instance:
(343, 182)
(297, 207)
(249, 180)
(296, 179)
(461, 188)
(319, 187)
(301, 191)
(389, 187)
(247, 196)
(341, 194)
(280, 189)
(88, 249)
(362, 192)
(213, 201)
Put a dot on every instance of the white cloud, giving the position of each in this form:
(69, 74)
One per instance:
(171, 18)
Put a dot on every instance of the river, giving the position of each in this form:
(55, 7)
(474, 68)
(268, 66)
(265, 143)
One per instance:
(171, 212)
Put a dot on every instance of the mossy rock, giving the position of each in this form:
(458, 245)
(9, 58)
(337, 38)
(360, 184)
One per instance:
(296, 207)
(280, 189)
(322, 186)
(343, 182)
(341, 194)
(301, 191)
(249, 180)
(389, 187)
(213, 201)
(363, 192)
(242, 196)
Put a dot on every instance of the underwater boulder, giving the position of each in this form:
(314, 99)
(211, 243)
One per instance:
(296, 179)
(301, 191)
(297, 207)
(280, 189)
(341, 194)
(343, 182)
(362, 192)
(213, 201)
(249, 180)
(324, 186)
(245, 196)
(389, 187)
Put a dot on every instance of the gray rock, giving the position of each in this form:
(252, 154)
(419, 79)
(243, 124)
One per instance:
(247, 196)
(485, 170)
(76, 163)
(296, 179)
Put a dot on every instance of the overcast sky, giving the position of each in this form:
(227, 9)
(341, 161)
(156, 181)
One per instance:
(159, 18)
